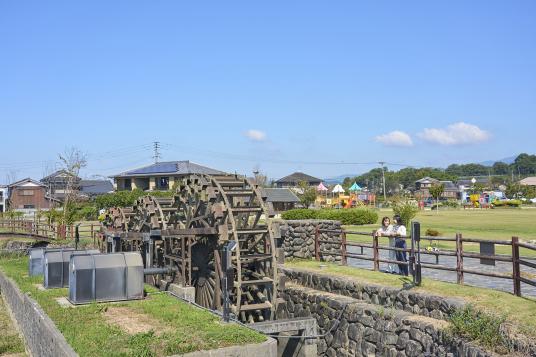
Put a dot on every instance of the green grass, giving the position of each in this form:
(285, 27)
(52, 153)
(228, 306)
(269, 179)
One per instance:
(87, 330)
(496, 224)
(479, 326)
(10, 340)
(521, 312)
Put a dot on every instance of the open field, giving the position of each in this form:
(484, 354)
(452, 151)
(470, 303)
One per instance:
(164, 325)
(521, 312)
(498, 224)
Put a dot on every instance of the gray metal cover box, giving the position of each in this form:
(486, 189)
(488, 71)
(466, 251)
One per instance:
(106, 277)
(36, 264)
(56, 271)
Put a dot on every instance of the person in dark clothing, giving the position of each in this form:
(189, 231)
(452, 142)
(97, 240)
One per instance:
(400, 242)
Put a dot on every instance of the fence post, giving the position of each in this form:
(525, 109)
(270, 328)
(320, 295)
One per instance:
(72, 231)
(375, 252)
(317, 244)
(343, 249)
(516, 273)
(459, 258)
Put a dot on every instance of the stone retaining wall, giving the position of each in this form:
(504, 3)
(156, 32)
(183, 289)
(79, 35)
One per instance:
(433, 306)
(41, 335)
(367, 330)
(299, 239)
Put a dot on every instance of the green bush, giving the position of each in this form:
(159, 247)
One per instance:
(432, 233)
(451, 203)
(87, 212)
(478, 326)
(354, 216)
(506, 203)
(406, 209)
(118, 199)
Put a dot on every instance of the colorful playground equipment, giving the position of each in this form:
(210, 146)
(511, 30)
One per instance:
(483, 200)
(339, 198)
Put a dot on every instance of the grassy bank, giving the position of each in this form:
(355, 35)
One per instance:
(10, 341)
(157, 326)
(520, 312)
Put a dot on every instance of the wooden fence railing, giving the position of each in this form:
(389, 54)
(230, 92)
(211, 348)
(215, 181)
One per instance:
(515, 259)
(41, 229)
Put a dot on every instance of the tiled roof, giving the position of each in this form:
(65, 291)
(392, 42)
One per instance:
(297, 177)
(95, 187)
(23, 181)
(60, 175)
(172, 168)
(449, 185)
(281, 195)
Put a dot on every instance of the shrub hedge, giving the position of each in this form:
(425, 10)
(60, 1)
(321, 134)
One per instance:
(354, 216)
(506, 203)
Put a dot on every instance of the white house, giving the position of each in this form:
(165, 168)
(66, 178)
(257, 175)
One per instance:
(3, 198)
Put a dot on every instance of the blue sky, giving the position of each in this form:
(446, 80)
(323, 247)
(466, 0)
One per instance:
(279, 85)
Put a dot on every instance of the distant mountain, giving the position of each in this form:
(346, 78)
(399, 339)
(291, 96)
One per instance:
(338, 179)
(506, 160)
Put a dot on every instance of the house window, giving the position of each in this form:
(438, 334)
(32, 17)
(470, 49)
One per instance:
(27, 193)
(128, 184)
(163, 183)
(29, 206)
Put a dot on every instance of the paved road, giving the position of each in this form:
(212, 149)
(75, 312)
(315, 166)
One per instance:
(469, 263)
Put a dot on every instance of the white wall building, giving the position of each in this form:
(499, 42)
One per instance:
(3, 198)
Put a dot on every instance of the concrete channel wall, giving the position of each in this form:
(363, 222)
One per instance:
(265, 349)
(40, 333)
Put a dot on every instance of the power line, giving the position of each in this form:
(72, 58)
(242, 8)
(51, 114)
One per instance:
(265, 159)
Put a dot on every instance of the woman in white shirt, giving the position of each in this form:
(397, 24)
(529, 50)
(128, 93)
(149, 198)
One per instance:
(398, 229)
(386, 230)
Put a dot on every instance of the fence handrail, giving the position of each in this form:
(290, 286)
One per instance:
(458, 252)
(44, 229)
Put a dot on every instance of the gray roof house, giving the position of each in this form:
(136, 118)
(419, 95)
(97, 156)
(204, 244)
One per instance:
(282, 199)
(159, 176)
(292, 180)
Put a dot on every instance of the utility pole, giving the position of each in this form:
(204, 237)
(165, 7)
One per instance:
(156, 147)
(383, 178)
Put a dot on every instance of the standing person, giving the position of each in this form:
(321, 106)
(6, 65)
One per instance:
(399, 230)
(386, 230)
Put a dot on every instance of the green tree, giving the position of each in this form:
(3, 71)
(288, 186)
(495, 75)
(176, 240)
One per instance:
(525, 164)
(500, 168)
(406, 209)
(307, 195)
(516, 190)
(436, 191)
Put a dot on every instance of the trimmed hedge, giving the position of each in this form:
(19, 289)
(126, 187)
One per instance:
(354, 216)
(506, 203)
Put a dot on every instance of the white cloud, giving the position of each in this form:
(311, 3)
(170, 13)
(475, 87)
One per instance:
(455, 134)
(395, 138)
(255, 135)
